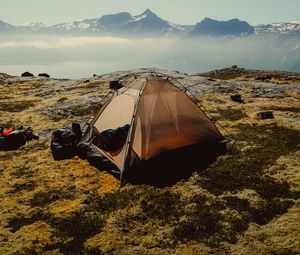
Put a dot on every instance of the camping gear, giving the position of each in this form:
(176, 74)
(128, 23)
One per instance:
(15, 139)
(7, 131)
(64, 141)
(165, 129)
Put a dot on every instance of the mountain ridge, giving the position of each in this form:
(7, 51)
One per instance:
(148, 23)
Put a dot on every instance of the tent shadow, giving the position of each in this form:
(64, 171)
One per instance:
(171, 167)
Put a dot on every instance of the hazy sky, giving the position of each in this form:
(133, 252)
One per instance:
(180, 11)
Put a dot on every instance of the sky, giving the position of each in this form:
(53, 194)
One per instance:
(189, 12)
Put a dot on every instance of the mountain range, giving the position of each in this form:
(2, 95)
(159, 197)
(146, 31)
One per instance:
(149, 24)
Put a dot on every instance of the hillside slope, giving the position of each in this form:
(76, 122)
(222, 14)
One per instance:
(248, 202)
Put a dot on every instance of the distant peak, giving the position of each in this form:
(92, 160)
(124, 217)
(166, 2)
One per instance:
(210, 20)
(148, 12)
(207, 19)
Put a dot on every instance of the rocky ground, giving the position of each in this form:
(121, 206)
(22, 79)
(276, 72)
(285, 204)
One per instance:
(248, 202)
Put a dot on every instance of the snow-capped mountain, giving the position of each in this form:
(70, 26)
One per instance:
(147, 23)
(86, 26)
(283, 28)
(150, 24)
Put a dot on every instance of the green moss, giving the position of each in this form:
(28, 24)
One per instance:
(43, 198)
(200, 222)
(5, 97)
(62, 99)
(30, 185)
(231, 114)
(245, 170)
(77, 229)
(161, 204)
(17, 106)
(285, 109)
(22, 171)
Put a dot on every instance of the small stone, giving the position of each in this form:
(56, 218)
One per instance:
(237, 98)
(263, 77)
(265, 115)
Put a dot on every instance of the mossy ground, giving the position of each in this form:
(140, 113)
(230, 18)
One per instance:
(245, 203)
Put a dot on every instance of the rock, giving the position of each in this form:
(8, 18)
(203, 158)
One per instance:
(44, 75)
(27, 74)
(263, 77)
(115, 85)
(237, 98)
(269, 93)
(265, 115)
(234, 66)
(79, 107)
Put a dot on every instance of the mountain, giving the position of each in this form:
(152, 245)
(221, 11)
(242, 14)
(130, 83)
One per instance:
(80, 26)
(283, 28)
(6, 27)
(150, 24)
(147, 23)
(211, 27)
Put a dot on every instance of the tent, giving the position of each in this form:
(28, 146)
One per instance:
(151, 124)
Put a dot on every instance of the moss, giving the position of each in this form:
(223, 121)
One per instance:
(30, 185)
(231, 114)
(234, 173)
(5, 97)
(17, 106)
(285, 109)
(77, 229)
(62, 99)
(245, 170)
(43, 198)
(200, 222)
(22, 171)
(20, 221)
(113, 200)
(161, 204)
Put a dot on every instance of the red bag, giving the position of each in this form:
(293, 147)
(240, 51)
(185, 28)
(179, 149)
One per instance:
(7, 131)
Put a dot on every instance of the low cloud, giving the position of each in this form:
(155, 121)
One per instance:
(75, 57)
(61, 42)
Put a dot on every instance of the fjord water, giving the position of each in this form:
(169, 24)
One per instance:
(83, 56)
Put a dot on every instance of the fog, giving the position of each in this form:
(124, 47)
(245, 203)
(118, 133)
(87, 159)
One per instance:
(79, 57)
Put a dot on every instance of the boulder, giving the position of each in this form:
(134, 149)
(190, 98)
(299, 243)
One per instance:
(44, 75)
(237, 98)
(265, 115)
(27, 74)
(263, 77)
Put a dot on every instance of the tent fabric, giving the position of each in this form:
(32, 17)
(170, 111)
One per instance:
(161, 118)
(167, 119)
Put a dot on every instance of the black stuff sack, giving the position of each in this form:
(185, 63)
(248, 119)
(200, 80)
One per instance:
(64, 141)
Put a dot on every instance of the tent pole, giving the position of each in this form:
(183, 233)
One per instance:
(130, 133)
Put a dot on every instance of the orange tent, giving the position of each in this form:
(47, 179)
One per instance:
(162, 119)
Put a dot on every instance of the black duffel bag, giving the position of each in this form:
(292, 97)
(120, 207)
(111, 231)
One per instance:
(64, 141)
